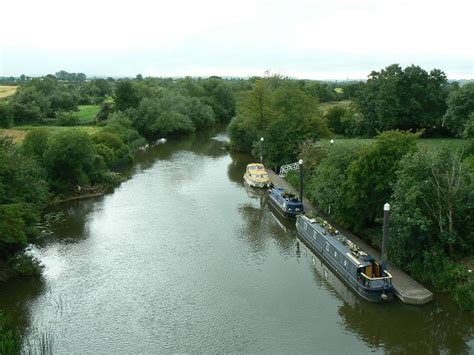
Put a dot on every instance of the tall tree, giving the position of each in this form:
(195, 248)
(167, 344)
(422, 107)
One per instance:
(460, 106)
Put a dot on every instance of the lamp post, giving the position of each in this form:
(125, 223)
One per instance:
(300, 162)
(386, 232)
(261, 150)
(332, 141)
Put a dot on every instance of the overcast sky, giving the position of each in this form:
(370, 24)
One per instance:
(317, 39)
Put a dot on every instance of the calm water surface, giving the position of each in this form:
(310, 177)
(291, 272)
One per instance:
(182, 257)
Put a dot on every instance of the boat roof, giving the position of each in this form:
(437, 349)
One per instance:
(258, 165)
(337, 240)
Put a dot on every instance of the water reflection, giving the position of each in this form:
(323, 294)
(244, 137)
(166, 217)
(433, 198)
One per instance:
(397, 328)
(184, 257)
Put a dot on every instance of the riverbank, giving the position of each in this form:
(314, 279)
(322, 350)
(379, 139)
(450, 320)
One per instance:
(407, 289)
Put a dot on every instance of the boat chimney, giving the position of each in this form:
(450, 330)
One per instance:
(386, 232)
(261, 150)
(301, 179)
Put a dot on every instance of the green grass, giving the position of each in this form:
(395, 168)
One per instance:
(325, 106)
(423, 143)
(86, 113)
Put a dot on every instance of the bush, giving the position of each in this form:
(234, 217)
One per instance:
(9, 337)
(67, 119)
(69, 159)
(117, 151)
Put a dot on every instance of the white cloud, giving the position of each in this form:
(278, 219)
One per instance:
(300, 36)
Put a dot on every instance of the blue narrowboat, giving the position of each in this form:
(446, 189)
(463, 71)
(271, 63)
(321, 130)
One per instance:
(285, 203)
(355, 267)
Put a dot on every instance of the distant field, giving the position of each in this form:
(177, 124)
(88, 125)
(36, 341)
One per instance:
(19, 133)
(86, 113)
(325, 106)
(6, 91)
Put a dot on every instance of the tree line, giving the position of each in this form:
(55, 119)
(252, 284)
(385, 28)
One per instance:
(431, 190)
(52, 163)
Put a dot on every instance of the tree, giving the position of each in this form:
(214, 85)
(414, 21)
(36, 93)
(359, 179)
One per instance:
(119, 123)
(460, 106)
(220, 97)
(157, 117)
(334, 117)
(119, 150)
(6, 116)
(126, 95)
(432, 220)
(23, 193)
(370, 177)
(69, 159)
(403, 99)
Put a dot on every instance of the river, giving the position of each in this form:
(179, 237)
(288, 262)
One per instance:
(182, 257)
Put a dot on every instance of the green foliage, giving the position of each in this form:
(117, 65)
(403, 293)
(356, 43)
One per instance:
(38, 99)
(469, 127)
(69, 159)
(434, 198)
(120, 124)
(111, 147)
(403, 99)
(278, 110)
(164, 116)
(67, 119)
(6, 116)
(370, 177)
(103, 114)
(432, 221)
(36, 143)
(9, 338)
(126, 95)
(325, 183)
(220, 97)
(23, 192)
(334, 117)
(460, 106)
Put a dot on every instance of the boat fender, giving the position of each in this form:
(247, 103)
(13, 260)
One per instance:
(384, 297)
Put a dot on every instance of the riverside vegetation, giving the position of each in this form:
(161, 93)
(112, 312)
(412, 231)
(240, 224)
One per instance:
(80, 132)
(60, 157)
(429, 182)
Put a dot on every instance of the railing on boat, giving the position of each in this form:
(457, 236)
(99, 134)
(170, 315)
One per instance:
(377, 281)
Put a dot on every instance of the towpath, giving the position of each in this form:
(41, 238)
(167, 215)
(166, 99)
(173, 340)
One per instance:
(406, 288)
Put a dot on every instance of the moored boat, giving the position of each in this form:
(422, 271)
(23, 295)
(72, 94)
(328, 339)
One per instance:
(256, 175)
(358, 269)
(285, 203)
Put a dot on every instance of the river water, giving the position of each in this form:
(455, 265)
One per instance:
(182, 257)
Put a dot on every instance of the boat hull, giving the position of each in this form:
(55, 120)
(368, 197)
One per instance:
(318, 247)
(254, 183)
(279, 209)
